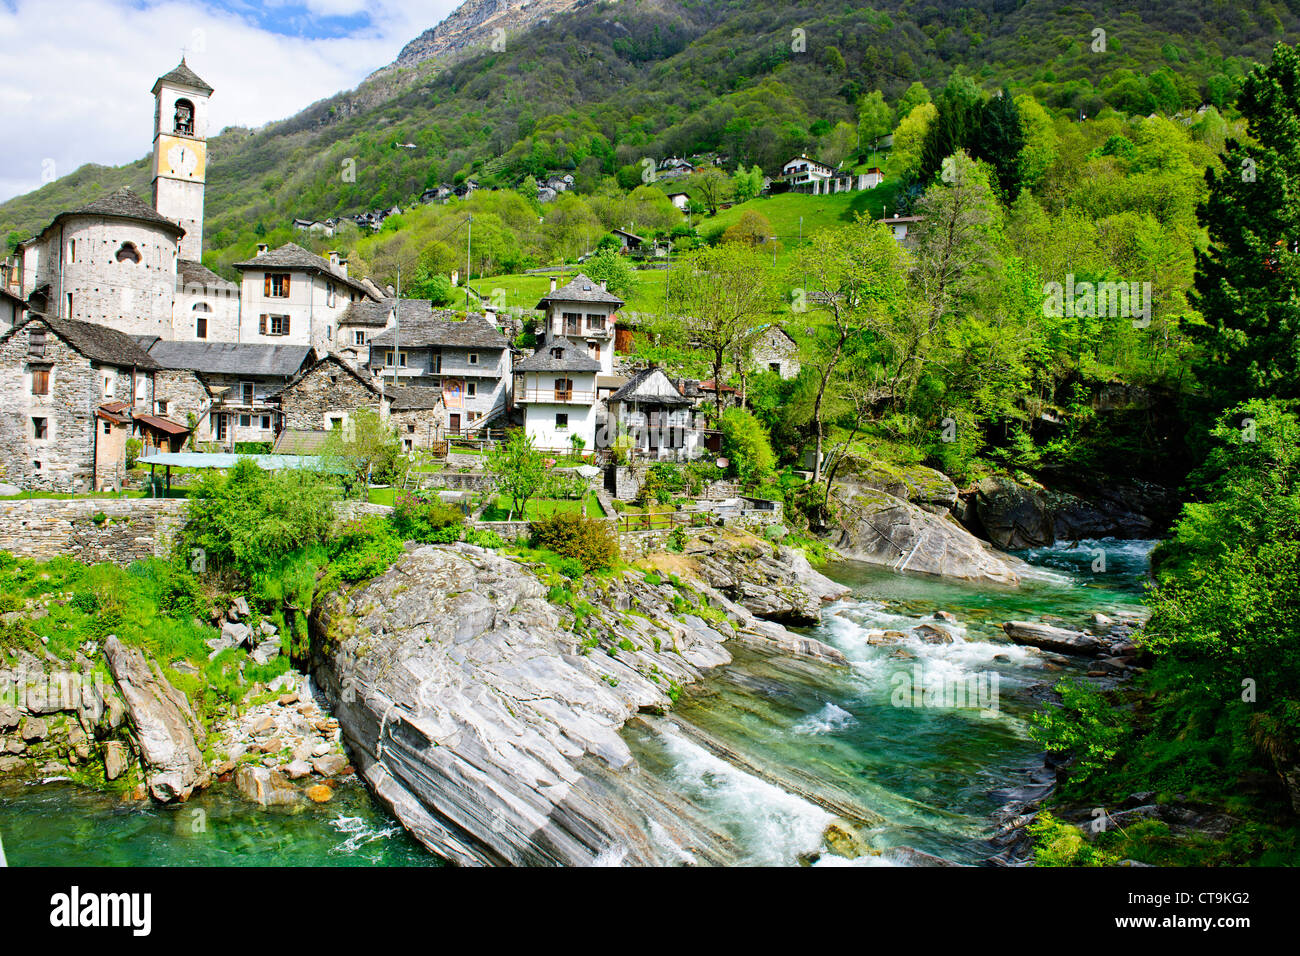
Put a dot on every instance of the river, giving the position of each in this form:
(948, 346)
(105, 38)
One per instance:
(765, 753)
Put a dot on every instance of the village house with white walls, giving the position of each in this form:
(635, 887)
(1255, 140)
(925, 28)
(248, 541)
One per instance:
(556, 387)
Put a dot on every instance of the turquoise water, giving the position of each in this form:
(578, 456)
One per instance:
(804, 747)
(59, 824)
(768, 751)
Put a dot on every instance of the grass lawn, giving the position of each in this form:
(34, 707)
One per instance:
(543, 508)
(65, 496)
(524, 291)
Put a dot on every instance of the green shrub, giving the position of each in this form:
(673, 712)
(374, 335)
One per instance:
(364, 548)
(422, 517)
(587, 540)
(249, 519)
(746, 445)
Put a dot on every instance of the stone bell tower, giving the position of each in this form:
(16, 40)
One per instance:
(180, 153)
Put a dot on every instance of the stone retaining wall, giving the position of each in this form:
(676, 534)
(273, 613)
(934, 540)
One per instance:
(90, 529)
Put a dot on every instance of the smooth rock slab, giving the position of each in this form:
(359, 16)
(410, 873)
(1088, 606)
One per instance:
(1051, 638)
(166, 727)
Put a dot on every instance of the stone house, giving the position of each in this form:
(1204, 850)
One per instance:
(556, 386)
(468, 360)
(225, 386)
(290, 296)
(661, 421)
(326, 394)
(773, 350)
(418, 414)
(581, 314)
(57, 376)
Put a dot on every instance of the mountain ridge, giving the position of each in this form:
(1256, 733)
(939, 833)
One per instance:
(599, 86)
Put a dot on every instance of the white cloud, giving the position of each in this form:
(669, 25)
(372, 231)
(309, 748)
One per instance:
(76, 74)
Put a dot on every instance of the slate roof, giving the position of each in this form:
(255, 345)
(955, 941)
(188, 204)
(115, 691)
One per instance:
(579, 289)
(231, 358)
(293, 256)
(410, 398)
(327, 359)
(123, 204)
(368, 312)
(196, 273)
(96, 342)
(628, 393)
(570, 359)
(445, 329)
(182, 75)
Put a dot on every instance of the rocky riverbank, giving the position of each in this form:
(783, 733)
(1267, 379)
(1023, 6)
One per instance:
(483, 703)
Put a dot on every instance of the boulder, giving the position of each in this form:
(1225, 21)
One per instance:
(319, 793)
(33, 729)
(168, 731)
(330, 764)
(1051, 638)
(879, 528)
(932, 634)
(235, 634)
(1017, 516)
(265, 786)
(773, 582)
(924, 487)
(298, 769)
(116, 759)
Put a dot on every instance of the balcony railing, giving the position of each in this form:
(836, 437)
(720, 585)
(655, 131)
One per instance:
(555, 396)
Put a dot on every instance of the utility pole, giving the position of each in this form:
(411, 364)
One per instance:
(469, 238)
(397, 327)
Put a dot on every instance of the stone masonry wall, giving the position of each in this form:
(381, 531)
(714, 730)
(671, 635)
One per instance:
(130, 529)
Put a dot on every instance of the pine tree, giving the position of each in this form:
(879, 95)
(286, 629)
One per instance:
(1248, 280)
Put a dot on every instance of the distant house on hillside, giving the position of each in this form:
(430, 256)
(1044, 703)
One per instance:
(901, 225)
(675, 168)
(804, 175)
(681, 200)
(775, 351)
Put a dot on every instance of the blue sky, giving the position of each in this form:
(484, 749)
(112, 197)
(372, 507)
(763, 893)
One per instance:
(265, 61)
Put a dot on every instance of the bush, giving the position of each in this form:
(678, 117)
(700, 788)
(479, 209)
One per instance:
(745, 444)
(133, 448)
(418, 517)
(364, 548)
(587, 540)
(250, 519)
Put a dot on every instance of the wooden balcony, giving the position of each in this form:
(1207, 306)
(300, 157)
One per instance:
(555, 396)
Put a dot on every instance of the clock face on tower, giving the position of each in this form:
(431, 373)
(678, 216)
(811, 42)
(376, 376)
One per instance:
(179, 158)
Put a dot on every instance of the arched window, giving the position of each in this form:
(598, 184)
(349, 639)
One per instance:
(184, 118)
(128, 253)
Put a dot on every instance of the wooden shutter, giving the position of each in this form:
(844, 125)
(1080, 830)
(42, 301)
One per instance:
(266, 291)
(285, 326)
(286, 286)
(261, 322)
